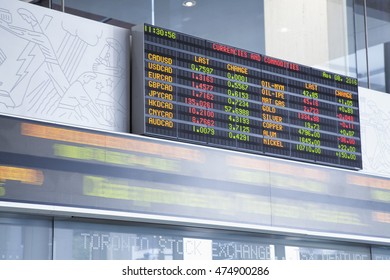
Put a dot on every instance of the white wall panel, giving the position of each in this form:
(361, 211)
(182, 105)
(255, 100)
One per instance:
(375, 130)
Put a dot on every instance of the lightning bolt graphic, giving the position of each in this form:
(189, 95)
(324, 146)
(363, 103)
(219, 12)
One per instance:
(26, 57)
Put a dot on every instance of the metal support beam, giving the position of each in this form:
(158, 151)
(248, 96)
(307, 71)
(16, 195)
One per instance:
(366, 42)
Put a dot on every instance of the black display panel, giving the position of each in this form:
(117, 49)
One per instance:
(190, 89)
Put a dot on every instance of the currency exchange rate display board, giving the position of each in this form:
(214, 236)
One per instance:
(190, 89)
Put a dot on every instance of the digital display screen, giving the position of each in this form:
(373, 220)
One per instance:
(204, 92)
(51, 164)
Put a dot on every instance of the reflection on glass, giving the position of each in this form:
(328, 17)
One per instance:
(131, 11)
(313, 33)
(25, 238)
(380, 253)
(360, 39)
(101, 241)
(378, 28)
(306, 253)
(137, 242)
(236, 23)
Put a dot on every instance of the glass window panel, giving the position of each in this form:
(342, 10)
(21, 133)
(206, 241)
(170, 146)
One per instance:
(236, 23)
(378, 29)
(131, 11)
(380, 253)
(360, 39)
(314, 33)
(94, 240)
(25, 238)
(326, 251)
(81, 240)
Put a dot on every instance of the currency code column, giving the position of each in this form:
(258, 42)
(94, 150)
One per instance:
(160, 76)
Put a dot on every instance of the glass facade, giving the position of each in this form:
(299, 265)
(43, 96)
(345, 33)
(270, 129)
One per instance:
(343, 36)
(378, 27)
(35, 237)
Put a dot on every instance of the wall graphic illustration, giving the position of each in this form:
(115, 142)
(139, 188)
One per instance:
(62, 68)
(375, 129)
